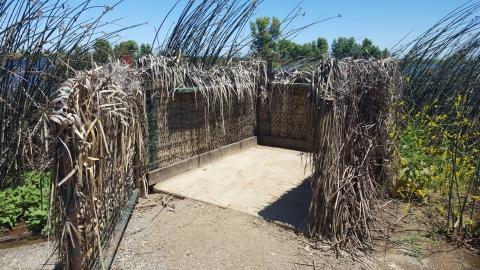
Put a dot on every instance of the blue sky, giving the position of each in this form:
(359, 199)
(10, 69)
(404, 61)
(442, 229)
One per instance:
(385, 22)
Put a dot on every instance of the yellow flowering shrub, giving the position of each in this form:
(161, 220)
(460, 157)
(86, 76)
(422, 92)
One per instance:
(438, 153)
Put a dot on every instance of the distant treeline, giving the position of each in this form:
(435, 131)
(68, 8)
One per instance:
(269, 42)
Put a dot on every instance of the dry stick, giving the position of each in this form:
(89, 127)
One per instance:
(386, 240)
(145, 205)
(146, 201)
(187, 223)
(159, 212)
(137, 231)
(307, 264)
(402, 218)
(315, 246)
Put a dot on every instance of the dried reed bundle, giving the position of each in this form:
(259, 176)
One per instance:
(224, 95)
(172, 73)
(98, 120)
(349, 147)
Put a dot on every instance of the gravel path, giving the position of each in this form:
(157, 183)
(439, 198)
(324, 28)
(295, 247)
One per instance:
(37, 256)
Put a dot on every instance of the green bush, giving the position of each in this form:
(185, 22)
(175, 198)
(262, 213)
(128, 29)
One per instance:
(28, 203)
(439, 156)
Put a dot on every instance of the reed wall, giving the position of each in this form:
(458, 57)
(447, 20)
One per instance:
(185, 125)
(282, 111)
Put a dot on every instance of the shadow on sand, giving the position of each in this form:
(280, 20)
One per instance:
(292, 206)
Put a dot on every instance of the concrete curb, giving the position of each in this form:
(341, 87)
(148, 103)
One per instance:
(162, 174)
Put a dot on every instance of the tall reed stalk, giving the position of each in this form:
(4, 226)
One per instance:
(41, 43)
(442, 68)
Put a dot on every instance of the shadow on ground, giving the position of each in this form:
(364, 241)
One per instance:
(292, 206)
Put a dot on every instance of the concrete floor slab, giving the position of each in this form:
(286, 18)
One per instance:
(262, 181)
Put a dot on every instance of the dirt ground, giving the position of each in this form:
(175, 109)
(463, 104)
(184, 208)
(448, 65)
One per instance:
(170, 233)
(188, 234)
(413, 233)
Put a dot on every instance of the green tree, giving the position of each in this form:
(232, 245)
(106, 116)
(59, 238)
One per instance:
(285, 48)
(369, 50)
(129, 47)
(345, 47)
(102, 50)
(145, 49)
(265, 35)
(316, 49)
(322, 47)
(385, 53)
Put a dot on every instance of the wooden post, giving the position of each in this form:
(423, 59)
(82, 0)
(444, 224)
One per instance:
(67, 193)
(136, 170)
(73, 256)
(270, 73)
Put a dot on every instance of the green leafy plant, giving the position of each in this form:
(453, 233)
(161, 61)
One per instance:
(439, 154)
(37, 220)
(28, 203)
(441, 69)
(9, 212)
